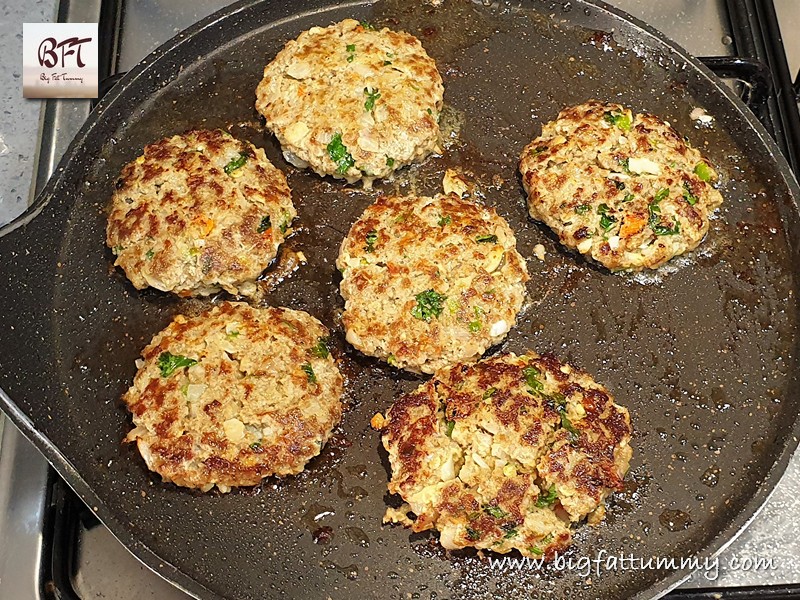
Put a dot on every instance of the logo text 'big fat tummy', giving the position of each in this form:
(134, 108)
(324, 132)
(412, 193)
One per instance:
(59, 60)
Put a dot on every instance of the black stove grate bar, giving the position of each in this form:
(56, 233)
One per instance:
(754, 73)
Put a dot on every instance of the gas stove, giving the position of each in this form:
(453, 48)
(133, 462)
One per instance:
(51, 545)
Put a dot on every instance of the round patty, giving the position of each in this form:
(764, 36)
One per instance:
(429, 282)
(626, 190)
(353, 102)
(234, 395)
(198, 212)
(505, 453)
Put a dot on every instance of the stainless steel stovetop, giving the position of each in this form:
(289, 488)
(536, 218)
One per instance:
(99, 567)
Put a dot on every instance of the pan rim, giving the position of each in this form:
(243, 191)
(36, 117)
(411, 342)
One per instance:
(173, 574)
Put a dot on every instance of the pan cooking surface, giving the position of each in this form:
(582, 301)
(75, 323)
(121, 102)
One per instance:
(701, 352)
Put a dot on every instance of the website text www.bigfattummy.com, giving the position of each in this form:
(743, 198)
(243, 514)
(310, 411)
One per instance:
(604, 562)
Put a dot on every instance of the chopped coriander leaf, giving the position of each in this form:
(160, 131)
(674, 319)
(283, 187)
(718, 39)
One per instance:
(392, 360)
(703, 171)
(150, 254)
(531, 375)
(320, 350)
(606, 221)
(256, 447)
(168, 363)
(510, 533)
(690, 198)
(486, 239)
(339, 154)
(351, 47)
(371, 239)
(236, 163)
(474, 326)
(309, 371)
(582, 209)
(430, 112)
(473, 535)
(660, 229)
(429, 305)
(264, 225)
(495, 511)
(625, 164)
(628, 197)
(450, 425)
(489, 393)
(661, 194)
(548, 499)
(372, 96)
(445, 220)
(386, 63)
(567, 424)
(389, 162)
(621, 120)
(367, 25)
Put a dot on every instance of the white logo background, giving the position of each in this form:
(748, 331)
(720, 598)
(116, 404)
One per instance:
(59, 60)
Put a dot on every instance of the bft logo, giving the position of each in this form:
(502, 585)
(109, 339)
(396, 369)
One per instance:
(59, 60)
(48, 57)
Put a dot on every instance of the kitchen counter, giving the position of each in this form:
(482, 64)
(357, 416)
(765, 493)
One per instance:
(19, 119)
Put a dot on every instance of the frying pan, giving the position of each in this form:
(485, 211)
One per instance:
(702, 351)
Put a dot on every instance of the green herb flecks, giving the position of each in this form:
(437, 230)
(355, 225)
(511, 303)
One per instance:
(287, 218)
(371, 239)
(574, 434)
(339, 154)
(256, 447)
(620, 185)
(265, 224)
(548, 499)
(449, 425)
(486, 239)
(372, 96)
(475, 326)
(654, 209)
(429, 305)
(236, 163)
(149, 254)
(473, 535)
(628, 197)
(351, 52)
(531, 375)
(367, 25)
(606, 221)
(168, 363)
(322, 348)
(489, 393)
(621, 120)
(495, 511)
(703, 171)
(309, 371)
(510, 529)
(544, 542)
(445, 220)
(690, 198)
(582, 209)
(389, 162)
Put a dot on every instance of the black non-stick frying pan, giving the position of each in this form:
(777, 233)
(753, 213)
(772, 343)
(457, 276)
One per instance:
(702, 351)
